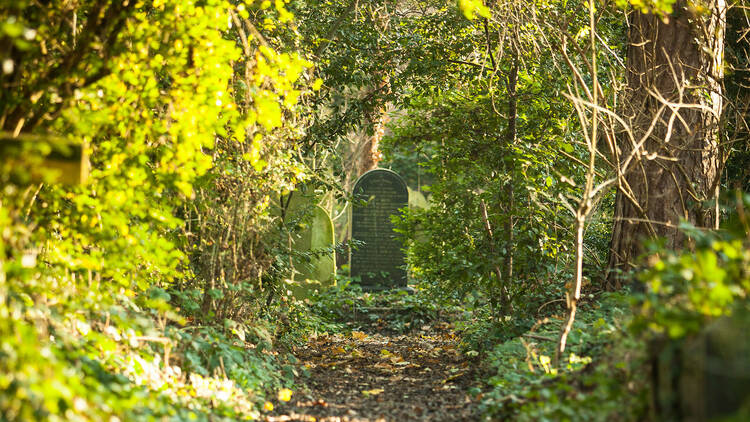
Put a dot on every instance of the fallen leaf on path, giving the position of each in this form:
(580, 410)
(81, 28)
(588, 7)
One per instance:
(452, 377)
(373, 392)
(359, 335)
(383, 365)
(285, 394)
(396, 359)
(334, 363)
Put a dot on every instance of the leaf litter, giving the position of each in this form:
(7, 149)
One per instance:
(381, 376)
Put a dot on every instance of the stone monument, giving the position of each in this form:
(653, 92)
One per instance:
(417, 200)
(379, 262)
(315, 238)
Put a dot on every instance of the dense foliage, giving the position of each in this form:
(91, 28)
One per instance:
(452, 246)
(685, 291)
(161, 286)
(177, 107)
(504, 159)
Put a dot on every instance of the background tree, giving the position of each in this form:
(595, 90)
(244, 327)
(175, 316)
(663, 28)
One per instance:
(668, 161)
(499, 178)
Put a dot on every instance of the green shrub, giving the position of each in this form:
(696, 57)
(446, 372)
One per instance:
(686, 290)
(176, 118)
(601, 377)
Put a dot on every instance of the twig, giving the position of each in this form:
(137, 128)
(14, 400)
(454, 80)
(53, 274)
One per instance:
(548, 303)
(536, 337)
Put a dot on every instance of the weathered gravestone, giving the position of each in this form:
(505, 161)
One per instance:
(379, 262)
(314, 265)
(318, 270)
(417, 200)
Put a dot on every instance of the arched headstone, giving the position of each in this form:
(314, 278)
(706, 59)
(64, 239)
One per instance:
(379, 263)
(315, 235)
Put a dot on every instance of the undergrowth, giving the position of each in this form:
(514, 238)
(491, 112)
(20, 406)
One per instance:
(596, 382)
(347, 307)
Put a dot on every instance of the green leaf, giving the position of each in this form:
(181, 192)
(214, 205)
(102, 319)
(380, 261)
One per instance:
(472, 8)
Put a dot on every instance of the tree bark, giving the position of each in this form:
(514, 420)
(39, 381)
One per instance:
(668, 157)
(511, 135)
(370, 151)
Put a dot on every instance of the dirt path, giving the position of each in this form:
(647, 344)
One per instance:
(380, 377)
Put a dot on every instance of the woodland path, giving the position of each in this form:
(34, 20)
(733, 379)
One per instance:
(421, 376)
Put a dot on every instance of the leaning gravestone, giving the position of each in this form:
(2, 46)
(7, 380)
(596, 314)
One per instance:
(379, 263)
(316, 239)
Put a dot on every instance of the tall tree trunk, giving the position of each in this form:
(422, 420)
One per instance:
(370, 155)
(510, 138)
(669, 160)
